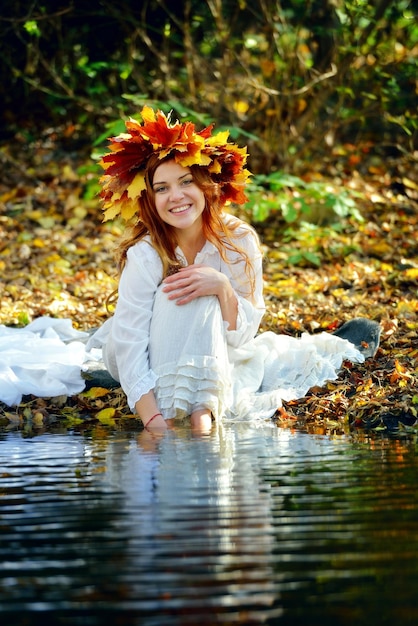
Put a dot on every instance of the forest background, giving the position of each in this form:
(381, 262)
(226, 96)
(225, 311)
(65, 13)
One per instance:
(323, 93)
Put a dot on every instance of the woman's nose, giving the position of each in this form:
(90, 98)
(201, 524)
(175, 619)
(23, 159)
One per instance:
(176, 193)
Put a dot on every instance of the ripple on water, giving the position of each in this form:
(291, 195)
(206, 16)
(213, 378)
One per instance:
(250, 525)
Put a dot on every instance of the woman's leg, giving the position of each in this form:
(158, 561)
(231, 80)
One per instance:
(188, 353)
(201, 421)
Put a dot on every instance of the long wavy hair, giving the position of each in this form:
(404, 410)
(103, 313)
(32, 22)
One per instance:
(220, 232)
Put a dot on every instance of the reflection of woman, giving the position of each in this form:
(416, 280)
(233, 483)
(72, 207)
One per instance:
(200, 522)
(182, 339)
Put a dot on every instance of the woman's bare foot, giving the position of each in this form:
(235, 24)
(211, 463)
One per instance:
(201, 421)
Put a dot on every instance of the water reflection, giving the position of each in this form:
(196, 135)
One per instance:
(250, 525)
(201, 525)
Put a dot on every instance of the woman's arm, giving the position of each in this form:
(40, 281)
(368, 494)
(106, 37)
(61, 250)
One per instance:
(228, 302)
(131, 324)
(148, 411)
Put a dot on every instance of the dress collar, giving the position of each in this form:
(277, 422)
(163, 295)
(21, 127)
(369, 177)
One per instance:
(208, 249)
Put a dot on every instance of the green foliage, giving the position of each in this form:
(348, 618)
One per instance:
(32, 28)
(311, 212)
(294, 78)
(297, 200)
(90, 175)
(313, 245)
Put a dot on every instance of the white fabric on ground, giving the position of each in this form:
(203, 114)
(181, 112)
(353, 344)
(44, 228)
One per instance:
(44, 358)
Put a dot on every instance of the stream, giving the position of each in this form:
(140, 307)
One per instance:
(252, 524)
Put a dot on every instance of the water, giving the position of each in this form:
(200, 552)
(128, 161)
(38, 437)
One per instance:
(250, 525)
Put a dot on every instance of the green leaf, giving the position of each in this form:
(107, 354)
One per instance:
(32, 28)
(312, 258)
(289, 213)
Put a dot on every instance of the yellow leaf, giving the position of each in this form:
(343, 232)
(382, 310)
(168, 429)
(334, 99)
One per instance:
(105, 416)
(38, 419)
(380, 248)
(400, 373)
(47, 222)
(137, 186)
(95, 392)
(147, 114)
(199, 157)
(128, 210)
(12, 417)
(9, 195)
(409, 183)
(366, 386)
(68, 174)
(407, 306)
(301, 105)
(412, 273)
(240, 106)
(111, 212)
(219, 139)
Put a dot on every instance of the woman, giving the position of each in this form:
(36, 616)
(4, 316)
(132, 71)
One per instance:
(182, 341)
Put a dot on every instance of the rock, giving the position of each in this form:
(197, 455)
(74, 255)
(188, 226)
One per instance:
(363, 333)
(96, 375)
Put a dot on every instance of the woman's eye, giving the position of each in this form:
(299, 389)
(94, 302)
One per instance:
(188, 181)
(159, 189)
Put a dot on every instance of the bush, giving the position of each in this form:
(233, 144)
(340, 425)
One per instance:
(297, 78)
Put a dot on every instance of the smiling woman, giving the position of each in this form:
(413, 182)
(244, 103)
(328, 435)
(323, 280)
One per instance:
(183, 340)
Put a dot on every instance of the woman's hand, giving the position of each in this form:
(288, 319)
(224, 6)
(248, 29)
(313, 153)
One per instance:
(195, 281)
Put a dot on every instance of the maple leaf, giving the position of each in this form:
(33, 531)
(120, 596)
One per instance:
(125, 164)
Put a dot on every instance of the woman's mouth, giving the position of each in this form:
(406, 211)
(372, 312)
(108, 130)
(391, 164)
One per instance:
(180, 209)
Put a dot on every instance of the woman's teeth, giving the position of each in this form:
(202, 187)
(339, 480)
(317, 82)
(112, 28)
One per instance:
(180, 209)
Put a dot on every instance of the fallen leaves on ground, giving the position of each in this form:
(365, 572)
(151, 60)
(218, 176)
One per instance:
(56, 258)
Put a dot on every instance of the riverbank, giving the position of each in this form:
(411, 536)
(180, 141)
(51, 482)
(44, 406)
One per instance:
(56, 258)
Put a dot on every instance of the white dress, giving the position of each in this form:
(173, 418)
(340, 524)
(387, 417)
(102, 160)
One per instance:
(189, 357)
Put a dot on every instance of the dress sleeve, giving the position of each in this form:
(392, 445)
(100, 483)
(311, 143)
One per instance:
(131, 322)
(250, 308)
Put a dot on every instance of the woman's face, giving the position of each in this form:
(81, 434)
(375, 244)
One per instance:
(178, 200)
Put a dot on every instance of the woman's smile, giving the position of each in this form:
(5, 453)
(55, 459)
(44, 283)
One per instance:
(180, 209)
